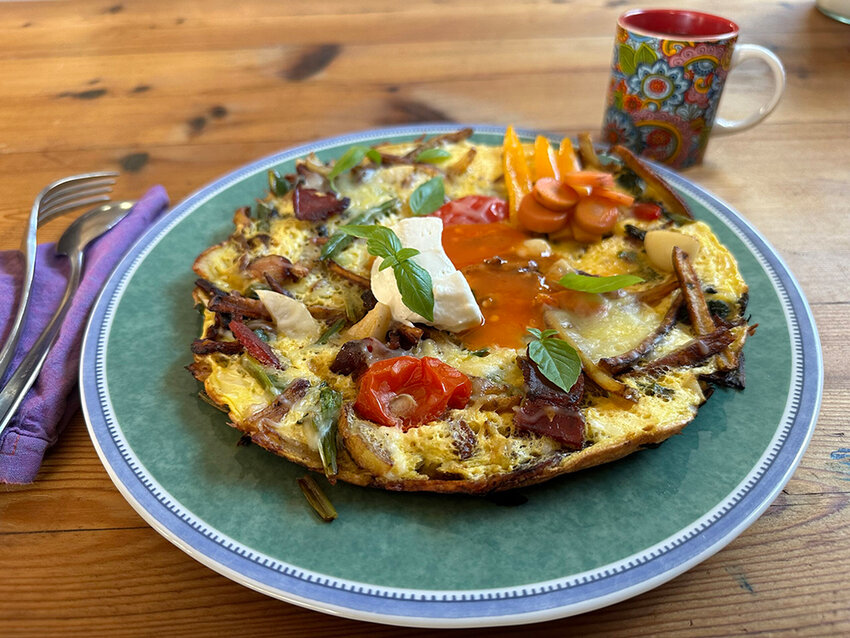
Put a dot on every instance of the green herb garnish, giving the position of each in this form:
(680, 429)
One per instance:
(413, 281)
(325, 422)
(676, 218)
(480, 353)
(278, 185)
(586, 283)
(339, 240)
(433, 155)
(555, 358)
(335, 327)
(351, 158)
(428, 197)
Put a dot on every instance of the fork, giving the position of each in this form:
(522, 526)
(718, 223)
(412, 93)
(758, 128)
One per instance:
(57, 198)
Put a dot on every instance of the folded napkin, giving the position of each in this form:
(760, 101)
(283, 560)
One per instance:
(53, 398)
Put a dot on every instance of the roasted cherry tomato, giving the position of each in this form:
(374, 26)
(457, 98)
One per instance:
(473, 209)
(647, 212)
(406, 391)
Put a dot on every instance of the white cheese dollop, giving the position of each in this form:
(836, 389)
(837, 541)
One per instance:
(291, 317)
(455, 308)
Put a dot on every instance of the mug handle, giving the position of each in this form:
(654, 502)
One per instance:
(747, 52)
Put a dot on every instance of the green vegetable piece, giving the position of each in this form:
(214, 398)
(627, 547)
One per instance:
(263, 213)
(269, 382)
(335, 327)
(339, 240)
(413, 281)
(428, 197)
(325, 422)
(555, 358)
(483, 352)
(278, 185)
(433, 156)
(317, 499)
(586, 283)
(351, 158)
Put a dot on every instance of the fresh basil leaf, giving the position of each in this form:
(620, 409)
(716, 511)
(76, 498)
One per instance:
(325, 422)
(414, 284)
(585, 283)
(413, 281)
(542, 334)
(351, 158)
(556, 360)
(433, 155)
(428, 197)
(339, 240)
(380, 240)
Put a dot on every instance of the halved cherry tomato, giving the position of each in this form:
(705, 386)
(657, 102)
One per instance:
(473, 209)
(647, 212)
(539, 219)
(554, 195)
(594, 179)
(622, 199)
(544, 159)
(406, 391)
(595, 215)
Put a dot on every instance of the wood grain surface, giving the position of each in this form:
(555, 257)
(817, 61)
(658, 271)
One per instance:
(179, 93)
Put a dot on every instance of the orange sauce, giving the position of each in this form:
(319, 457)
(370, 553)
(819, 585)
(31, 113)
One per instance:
(511, 296)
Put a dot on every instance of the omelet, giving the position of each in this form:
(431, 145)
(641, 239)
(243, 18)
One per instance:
(325, 343)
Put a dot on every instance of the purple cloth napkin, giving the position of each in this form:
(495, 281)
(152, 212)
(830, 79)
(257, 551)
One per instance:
(53, 399)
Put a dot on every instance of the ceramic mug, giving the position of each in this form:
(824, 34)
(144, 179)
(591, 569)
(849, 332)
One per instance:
(667, 76)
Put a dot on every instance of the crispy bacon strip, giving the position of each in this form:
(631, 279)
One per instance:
(208, 346)
(620, 362)
(459, 167)
(652, 296)
(255, 346)
(311, 205)
(209, 288)
(548, 410)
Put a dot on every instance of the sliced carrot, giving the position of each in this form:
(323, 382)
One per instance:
(517, 172)
(553, 194)
(621, 199)
(581, 235)
(567, 159)
(594, 179)
(595, 215)
(545, 164)
(539, 219)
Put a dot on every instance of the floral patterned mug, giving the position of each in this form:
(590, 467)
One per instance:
(667, 76)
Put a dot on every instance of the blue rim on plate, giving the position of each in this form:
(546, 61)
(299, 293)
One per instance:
(572, 593)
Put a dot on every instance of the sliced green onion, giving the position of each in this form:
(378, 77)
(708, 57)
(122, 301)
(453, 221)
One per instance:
(317, 499)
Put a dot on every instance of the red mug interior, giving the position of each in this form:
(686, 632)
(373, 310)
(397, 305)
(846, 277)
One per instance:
(675, 23)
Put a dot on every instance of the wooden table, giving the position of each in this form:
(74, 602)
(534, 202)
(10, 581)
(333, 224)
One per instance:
(178, 93)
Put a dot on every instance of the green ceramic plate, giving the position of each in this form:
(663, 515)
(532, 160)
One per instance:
(574, 544)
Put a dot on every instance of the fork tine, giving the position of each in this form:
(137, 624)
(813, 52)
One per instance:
(48, 191)
(46, 212)
(66, 192)
(77, 203)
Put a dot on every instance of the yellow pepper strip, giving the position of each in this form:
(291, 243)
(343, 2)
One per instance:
(568, 162)
(517, 172)
(545, 163)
